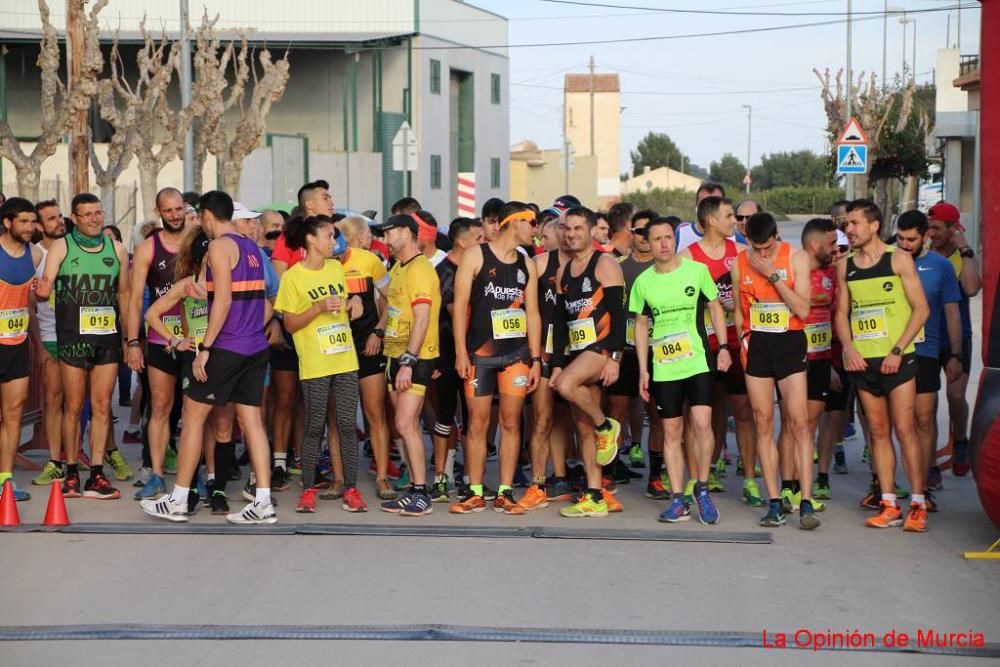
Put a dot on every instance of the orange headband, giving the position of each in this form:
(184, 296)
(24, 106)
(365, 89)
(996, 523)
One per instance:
(520, 215)
(425, 231)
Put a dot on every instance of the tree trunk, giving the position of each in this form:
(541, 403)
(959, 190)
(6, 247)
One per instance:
(199, 167)
(148, 174)
(28, 180)
(884, 203)
(108, 200)
(232, 171)
(909, 194)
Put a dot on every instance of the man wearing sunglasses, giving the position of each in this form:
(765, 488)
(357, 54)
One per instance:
(746, 208)
(691, 232)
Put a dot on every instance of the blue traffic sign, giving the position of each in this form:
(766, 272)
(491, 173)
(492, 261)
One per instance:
(852, 159)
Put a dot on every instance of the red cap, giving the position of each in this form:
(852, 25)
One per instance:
(945, 212)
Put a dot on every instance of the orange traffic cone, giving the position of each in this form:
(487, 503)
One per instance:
(9, 518)
(55, 513)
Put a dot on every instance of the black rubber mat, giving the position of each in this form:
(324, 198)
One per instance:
(458, 633)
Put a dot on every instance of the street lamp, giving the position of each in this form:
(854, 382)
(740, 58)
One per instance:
(886, 10)
(903, 21)
(749, 123)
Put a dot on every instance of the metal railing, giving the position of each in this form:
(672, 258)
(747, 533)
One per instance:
(968, 64)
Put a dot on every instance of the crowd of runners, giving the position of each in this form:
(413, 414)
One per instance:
(583, 350)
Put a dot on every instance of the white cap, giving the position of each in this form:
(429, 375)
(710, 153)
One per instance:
(241, 212)
(842, 238)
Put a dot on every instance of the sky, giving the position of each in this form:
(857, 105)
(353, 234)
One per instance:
(693, 88)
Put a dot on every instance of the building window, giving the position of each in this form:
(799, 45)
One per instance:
(435, 77)
(435, 172)
(495, 88)
(495, 173)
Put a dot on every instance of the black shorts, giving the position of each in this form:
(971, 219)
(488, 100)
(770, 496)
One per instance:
(232, 377)
(446, 389)
(776, 355)
(15, 361)
(734, 380)
(669, 397)
(818, 379)
(928, 375)
(86, 355)
(837, 400)
(158, 358)
(874, 382)
(421, 374)
(506, 374)
(368, 366)
(285, 360)
(966, 355)
(627, 383)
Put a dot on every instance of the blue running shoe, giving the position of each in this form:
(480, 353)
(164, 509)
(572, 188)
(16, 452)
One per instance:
(153, 489)
(849, 431)
(395, 506)
(418, 504)
(521, 480)
(677, 511)
(19, 495)
(775, 516)
(708, 513)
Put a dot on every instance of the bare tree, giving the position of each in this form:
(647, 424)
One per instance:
(58, 100)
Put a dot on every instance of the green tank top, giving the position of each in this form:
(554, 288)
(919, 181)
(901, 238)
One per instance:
(196, 318)
(879, 308)
(86, 296)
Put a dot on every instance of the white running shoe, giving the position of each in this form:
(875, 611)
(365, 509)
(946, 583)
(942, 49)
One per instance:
(163, 508)
(254, 513)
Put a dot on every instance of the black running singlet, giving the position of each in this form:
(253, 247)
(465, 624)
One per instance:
(586, 309)
(498, 324)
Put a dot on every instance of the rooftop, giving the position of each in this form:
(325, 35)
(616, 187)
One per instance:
(603, 83)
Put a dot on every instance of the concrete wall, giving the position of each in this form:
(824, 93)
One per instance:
(607, 135)
(662, 177)
(543, 183)
(948, 97)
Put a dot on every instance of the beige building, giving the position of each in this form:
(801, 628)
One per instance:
(663, 178)
(602, 137)
(539, 176)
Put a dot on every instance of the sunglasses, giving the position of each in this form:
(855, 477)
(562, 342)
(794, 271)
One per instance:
(741, 218)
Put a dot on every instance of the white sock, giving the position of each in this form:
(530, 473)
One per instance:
(179, 496)
(211, 477)
(449, 464)
(263, 496)
(889, 498)
(281, 460)
(918, 498)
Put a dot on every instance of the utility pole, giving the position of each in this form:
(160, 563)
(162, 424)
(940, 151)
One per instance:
(749, 122)
(849, 178)
(593, 150)
(79, 155)
(913, 61)
(885, 36)
(958, 37)
(903, 21)
(186, 96)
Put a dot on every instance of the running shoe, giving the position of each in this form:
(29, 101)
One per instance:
(665, 481)
(676, 512)
(392, 471)
(505, 503)
(720, 467)
(821, 491)
(99, 487)
(170, 461)
(254, 513)
(788, 502)
(307, 502)
(201, 484)
(558, 491)
(618, 471)
(249, 491)
(916, 519)
(71, 486)
(521, 480)
(295, 466)
(491, 452)
(153, 489)
(960, 462)
(818, 505)
(872, 499)
(468, 505)
(714, 483)
(866, 454)
(839, 461)
(815, 455)
(50, 473)
(607, 442)
(132, 437)
(689, 492)
(739, 466)
(934, 481)
(636, 459)
(807, 518)
(774, 517)
(585, 507)
(889, 517)
(119, 465)
(279, 478)
(708, 513)
(534, 498)
(353, 502)
(930, 503)
(608, 484)
(164, 508)
(849, 431)
(193, 497)
(614, 505)
(334, 492)
(901, 493)
(395, 506)
(218, 503)
(384, 490)
(751, 493)
(19, 495)
(403, 481)
(145, 474)
(489, 494)
(655, 490)
(418, 504)
(439, 490)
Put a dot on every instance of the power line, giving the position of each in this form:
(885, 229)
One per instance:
(724, 12)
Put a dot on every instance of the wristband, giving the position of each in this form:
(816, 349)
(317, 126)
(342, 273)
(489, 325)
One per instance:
(616, 356)
(204, 348)
(135, 342)
(536, 360)
(408, 360)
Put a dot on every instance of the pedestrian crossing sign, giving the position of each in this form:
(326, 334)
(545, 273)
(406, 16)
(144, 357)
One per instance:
(852, 159)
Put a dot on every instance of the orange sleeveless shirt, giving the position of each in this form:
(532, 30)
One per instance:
(755, 288)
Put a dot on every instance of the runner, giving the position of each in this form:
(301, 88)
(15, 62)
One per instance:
(314, 300)
(427, 234)
(19, 260)
(411, 346)
(85, 270)
(491, 218)
(153, 269)
(464, 233)
(772, 288)
(230, 364)
(53, 228)
(947, 239)
(620, 218)
(673, 296)
(746, 208)
(880, 310)
(689, 232)
(588, 332)
(943, 295)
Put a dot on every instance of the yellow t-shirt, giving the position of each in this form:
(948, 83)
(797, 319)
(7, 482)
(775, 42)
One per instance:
(325, 346)
(410, 284)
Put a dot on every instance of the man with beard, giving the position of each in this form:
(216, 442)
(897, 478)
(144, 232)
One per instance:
(153, 263)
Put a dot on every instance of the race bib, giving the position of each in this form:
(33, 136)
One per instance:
(709, 329)
(868, 324)
(582, 334)
(174, 326)
(672, 348)
(13, 323)
(509, 323)
(769, 317)
(334, 338)
(630, 332)
(819, 336)
(199, 335)
(392, 322)
(98, 321)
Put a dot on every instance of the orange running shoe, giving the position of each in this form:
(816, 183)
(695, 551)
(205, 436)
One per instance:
(505, 503)
(916, 520)
(468, 506)
(889, 517)
(614, 505)
(534, 498)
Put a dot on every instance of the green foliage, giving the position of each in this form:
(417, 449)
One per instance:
(665, 202)
(794, 168)
(729, 171)
(798, 199)
(657, 150)
(904, 153)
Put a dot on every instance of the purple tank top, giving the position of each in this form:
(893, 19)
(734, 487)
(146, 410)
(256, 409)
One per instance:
(243, 330)
(159, 280)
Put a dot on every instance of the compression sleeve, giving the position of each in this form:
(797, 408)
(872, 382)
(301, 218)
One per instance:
(615, 297)
(560, 333)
